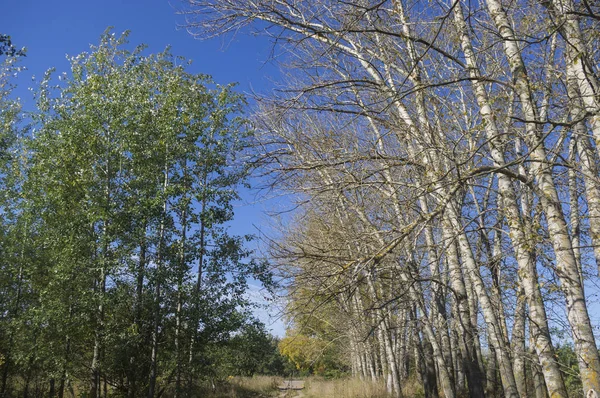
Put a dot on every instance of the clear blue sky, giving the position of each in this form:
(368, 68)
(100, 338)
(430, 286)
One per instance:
(52, 29)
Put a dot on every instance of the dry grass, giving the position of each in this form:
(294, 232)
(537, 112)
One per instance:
(245, 387)
(354, 388)
(344, 388)
(260, 384)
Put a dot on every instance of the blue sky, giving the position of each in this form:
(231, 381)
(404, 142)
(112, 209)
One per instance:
(50, 30)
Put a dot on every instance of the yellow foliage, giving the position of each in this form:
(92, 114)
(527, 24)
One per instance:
(303, 351)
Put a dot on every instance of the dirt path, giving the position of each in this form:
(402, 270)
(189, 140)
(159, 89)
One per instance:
(292, 394)
(291, 388)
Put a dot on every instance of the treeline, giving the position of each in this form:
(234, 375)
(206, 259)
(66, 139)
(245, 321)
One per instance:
(444, 156)
(117, 274)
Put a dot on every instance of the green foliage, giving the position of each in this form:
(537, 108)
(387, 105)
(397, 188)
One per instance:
(251, 351)
(312, 354)
(567, 358)
(117, 263)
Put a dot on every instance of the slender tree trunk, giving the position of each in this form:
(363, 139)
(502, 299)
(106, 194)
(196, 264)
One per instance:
(137, 313)
(182, 271)
(425, 364)
(388, 360)
(580, 144)
(390, 356)
(579, 65)
(436, 353)
(518, 343)
(491, 370)
(63, 376)
(101, 287)
(445, 377)
(511, 211)
(494, 329)
(428, 372)
(574, 209)
(438, 306)
(459, 370)
(98, 337)
(589, 169)
(474, 312)
(566, 263)
(470, 365)
(539, 385)
(195, 320)
(369, 356)
(157, 290)
(66, 355)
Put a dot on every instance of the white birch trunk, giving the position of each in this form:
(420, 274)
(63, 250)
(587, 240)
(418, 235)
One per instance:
(518, 234)
(566, 263)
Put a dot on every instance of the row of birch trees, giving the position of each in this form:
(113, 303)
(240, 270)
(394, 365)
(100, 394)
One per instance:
(444, 157)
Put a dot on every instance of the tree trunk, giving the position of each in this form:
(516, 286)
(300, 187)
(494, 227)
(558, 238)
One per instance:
(491, 370)
(539, 386)
(574, 209)
(566, 263)
(182, 270)
(518, 233)
(196, 297)
(157, 290)
(95, 391)
(579, 65)
(137, 313)
(429, 373)
(518, 343)
(466, 337)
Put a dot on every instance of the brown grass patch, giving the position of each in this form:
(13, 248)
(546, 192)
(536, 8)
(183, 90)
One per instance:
(355, 388)
(344, 388)
(245, 387)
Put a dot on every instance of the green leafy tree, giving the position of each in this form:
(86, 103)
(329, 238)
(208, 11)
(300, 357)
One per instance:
(13, 228)
(570, 369)
(121, 274)
(250, 352)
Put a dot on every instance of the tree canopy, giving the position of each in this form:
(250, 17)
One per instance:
(118, 271)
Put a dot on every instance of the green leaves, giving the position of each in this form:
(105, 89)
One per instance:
(128, 186)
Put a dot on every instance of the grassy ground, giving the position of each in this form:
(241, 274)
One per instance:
(354, 388)
(245, 387)
(344, 388)
(266, 387)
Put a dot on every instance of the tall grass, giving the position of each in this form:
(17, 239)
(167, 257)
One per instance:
(355, 388)
(244, 387)
(259, 384)
(314, 387)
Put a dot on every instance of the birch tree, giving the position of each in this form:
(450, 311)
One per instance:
(430, 103)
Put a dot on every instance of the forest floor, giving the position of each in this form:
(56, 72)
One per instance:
(316, 387)
(246, 387)
(312, 387)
